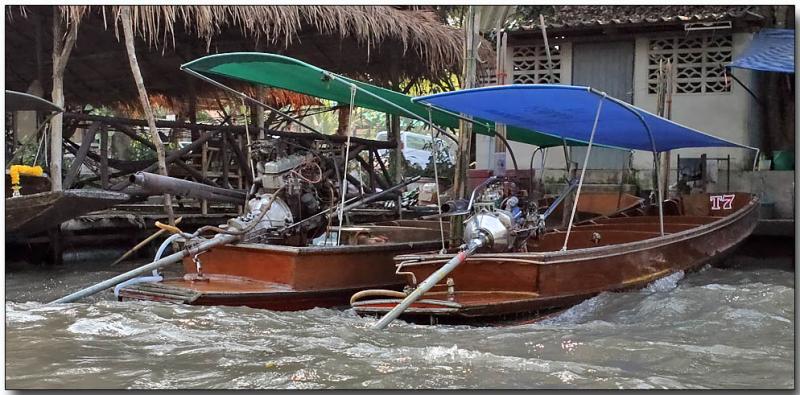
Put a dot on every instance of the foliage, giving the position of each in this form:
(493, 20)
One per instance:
(139, 151)
(25, 152)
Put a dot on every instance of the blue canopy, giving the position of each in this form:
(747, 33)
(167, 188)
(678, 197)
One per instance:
(770, 50)
(569, 111)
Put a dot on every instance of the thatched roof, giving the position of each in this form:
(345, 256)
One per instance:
(573, 17)
(382, 44)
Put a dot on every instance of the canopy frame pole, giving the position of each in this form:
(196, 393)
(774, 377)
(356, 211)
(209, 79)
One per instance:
(508, 147)
(656, 168)
(250, 99)
(344, 173)
(583, 171)
(654, 150)
(660, 193)
(530, 168)
(419, 118)
(567, 156)
(410, 114)
(755, 160)
(435, 150)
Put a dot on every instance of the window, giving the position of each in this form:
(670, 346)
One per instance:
(531, 65)
(487, 76)
(415, 142)
(697, 60)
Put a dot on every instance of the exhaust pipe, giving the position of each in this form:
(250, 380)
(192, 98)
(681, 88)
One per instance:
(155, 184)
(453, 206)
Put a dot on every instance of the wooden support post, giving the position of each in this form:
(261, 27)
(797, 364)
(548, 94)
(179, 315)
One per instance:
(472, 33)
(127, 27)
(104, 157)
(240, 168)
(344, 120)
(704, 172)
(80, 157)
(395, 135)
(372, 178)
(237, 145)
(225, 160)
(204, 173)
(62, 47)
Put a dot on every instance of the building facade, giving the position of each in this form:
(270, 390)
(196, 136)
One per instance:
(617, 50)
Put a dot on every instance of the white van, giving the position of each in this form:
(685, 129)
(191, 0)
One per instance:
(416, 147)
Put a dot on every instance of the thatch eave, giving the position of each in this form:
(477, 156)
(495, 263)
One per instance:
(385, 43)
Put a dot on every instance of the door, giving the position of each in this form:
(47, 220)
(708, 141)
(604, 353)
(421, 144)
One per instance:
(608, 67)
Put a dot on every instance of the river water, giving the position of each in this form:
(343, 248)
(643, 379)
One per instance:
(716, 328)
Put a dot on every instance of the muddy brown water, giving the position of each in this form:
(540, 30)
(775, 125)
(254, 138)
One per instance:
(715, 328)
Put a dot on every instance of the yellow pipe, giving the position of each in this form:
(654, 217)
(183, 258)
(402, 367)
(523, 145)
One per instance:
(168, 228)
(19, 170)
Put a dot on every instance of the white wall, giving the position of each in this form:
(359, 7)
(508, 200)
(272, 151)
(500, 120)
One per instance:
(732, 115)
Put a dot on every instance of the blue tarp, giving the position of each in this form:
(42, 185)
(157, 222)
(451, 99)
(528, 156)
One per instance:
(770, 50)
(569, 111)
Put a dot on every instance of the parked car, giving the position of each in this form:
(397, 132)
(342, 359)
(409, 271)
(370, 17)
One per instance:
(416, 147)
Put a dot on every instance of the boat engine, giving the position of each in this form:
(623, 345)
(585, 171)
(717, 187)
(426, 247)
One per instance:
(291, 187)
(502, 215)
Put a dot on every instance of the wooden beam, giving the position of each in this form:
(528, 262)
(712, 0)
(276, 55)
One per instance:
(240, 157)
(198, 176)
(86, 145)
(232, 129)
(169, 159)
(383, 167)
(371, 172)
(104, 157)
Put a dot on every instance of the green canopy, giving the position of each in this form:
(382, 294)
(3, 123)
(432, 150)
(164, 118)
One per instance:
(291, 74)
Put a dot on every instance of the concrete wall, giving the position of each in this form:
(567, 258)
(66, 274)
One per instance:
(732, 115)
(484, 145)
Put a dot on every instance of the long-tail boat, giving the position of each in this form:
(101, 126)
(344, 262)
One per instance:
(278, 254)
(512, 268)
(611, 253)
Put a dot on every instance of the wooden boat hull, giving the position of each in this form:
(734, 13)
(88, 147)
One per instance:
(28, 214)
(496, 287)
(292, 278)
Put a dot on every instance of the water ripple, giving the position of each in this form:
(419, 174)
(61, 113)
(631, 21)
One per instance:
(712, 329)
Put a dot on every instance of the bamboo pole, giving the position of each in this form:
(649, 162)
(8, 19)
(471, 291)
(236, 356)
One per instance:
(127, 27)
(471, 30)
(665, 110)
(62, 47)
(144, 243)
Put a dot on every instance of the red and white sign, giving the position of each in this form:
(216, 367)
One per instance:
(722, 202)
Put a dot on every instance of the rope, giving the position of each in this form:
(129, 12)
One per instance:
(39, 147)
(346, 154)
(436, 176)
(583, 171)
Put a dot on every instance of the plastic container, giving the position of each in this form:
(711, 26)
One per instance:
(783, 160)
